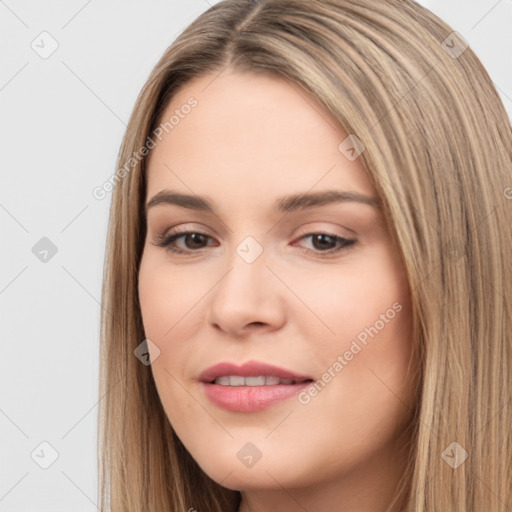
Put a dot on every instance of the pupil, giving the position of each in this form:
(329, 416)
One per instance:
(197, 238)
(322, 239)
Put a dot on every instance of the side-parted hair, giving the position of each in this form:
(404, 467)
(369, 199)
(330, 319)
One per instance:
(438, 148)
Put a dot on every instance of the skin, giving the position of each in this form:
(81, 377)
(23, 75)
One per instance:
(250, 139)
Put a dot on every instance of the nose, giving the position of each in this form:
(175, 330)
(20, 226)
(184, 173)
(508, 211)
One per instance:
(248, 298)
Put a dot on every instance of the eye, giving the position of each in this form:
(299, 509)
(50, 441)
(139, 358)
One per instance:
(327, 243)
(194, 241)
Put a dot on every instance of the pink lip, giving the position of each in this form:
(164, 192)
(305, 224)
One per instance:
(250, 398)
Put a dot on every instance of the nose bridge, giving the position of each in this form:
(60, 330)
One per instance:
(245, 294)
(247, 275)
(249, 250)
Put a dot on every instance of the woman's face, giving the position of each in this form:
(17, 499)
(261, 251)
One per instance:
(313, 286)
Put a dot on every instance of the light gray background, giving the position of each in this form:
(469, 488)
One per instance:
(61, 123)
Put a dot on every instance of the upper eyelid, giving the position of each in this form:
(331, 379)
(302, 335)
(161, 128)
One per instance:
(190, 227)
(312, 231)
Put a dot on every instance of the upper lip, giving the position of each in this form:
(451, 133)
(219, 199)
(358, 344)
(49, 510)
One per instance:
(250, 369)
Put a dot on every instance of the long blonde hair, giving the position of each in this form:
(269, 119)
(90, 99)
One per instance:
(438, 148)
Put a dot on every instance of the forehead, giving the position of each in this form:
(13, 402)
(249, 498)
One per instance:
(250, 132)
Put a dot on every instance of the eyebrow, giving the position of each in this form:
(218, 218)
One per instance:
(285, 204)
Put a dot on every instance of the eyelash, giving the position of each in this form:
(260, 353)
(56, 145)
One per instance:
(168, 239)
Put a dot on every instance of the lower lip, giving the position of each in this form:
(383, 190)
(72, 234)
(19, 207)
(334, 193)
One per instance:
(250, 398)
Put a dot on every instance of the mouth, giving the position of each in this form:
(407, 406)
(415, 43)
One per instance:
(260, 380)
(251, 387)
(252, 373)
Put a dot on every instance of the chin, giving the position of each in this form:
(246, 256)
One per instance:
(229, 470)
(243, 479)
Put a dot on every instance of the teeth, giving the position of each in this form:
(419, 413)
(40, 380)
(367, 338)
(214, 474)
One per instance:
(237, 380)
(253, 381)
(223, 381)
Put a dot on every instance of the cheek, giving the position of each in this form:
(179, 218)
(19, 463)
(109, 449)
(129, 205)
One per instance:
(168, 316)
(166, 297)
(361, 295)
(363, 334)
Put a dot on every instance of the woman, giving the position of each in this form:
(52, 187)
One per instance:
(308, 278)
